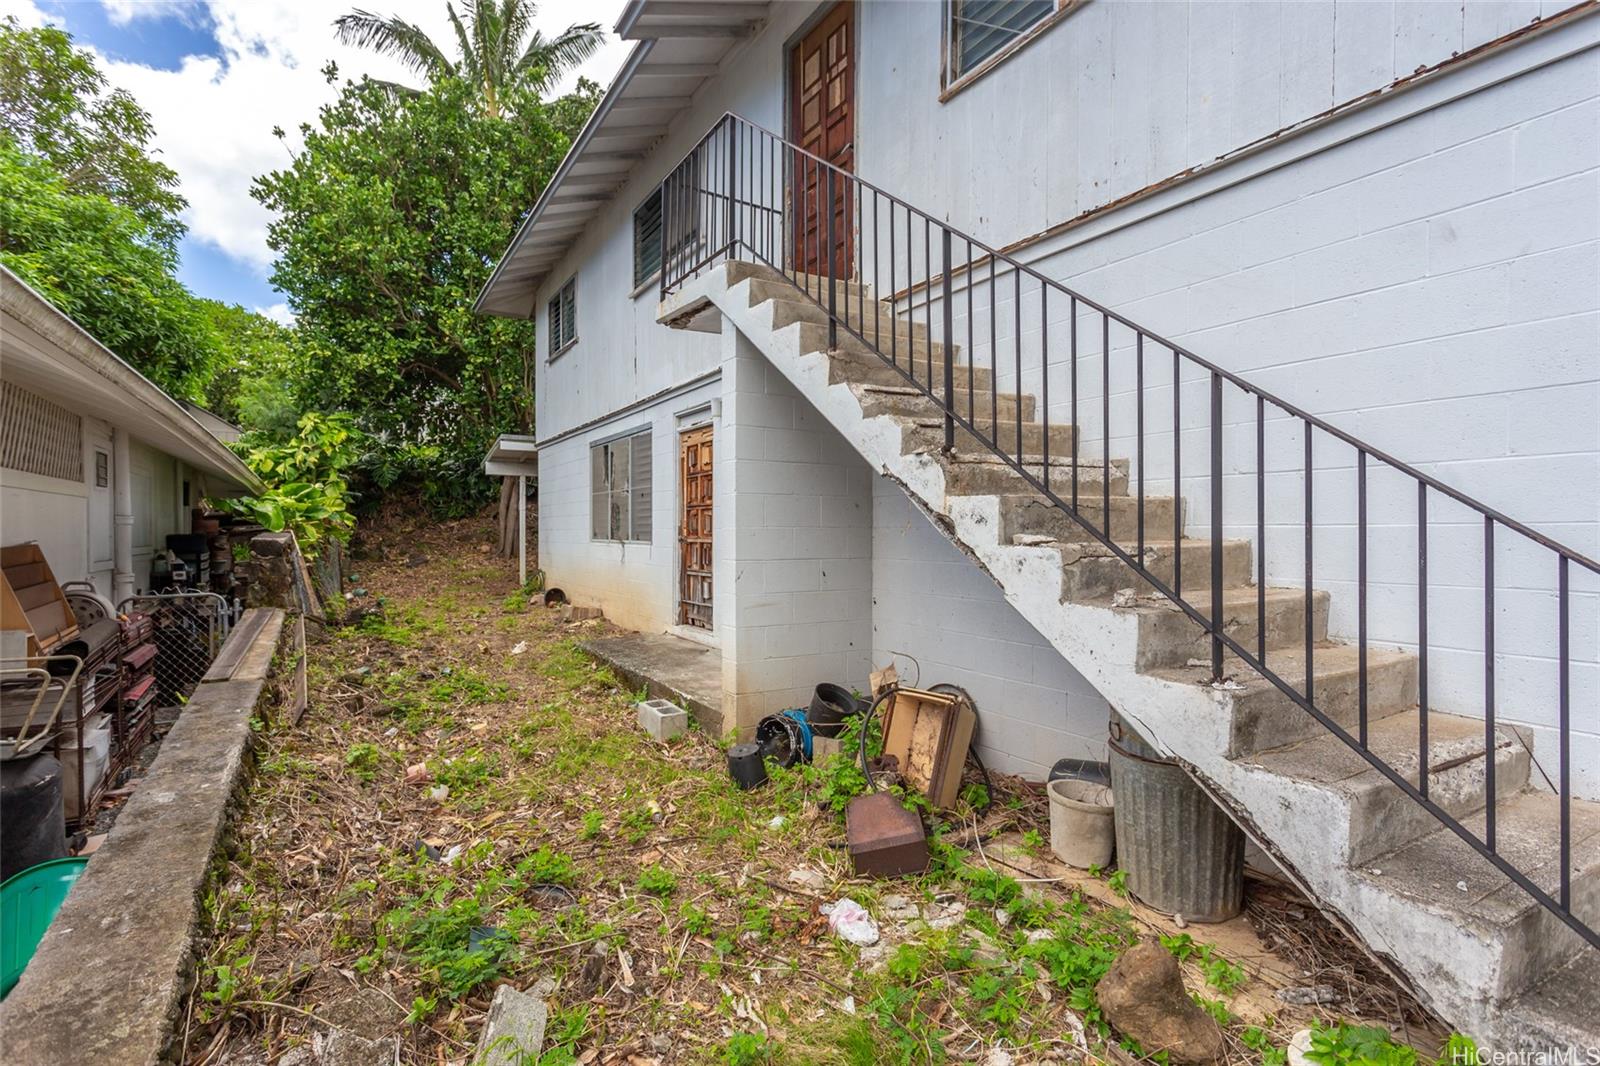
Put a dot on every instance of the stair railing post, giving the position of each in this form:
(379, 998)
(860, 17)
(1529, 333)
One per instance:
(728, 237)
(949, 340)
(833, 322)
(1216, 526)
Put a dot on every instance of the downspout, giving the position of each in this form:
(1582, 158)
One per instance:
(122, 504)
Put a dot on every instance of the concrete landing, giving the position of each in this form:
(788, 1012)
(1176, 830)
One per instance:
(671, 668)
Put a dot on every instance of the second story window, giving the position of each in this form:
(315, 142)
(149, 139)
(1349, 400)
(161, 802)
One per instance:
(647, 239)
(982, 29)
(563, 312)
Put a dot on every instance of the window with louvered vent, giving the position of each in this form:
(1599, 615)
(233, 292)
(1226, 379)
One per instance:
(620, 488)
(563, 315)
(982, 30)
(39, 437)
(647, 239)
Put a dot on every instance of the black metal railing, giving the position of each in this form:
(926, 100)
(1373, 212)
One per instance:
(743, 192)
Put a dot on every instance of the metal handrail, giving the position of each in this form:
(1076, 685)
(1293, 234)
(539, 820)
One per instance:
(739, 169)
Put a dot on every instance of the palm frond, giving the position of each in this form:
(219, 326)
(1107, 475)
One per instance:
(471, 67)
(544, 60)
(395, 38)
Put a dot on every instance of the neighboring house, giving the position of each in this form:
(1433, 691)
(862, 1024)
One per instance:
(97, 464)
(1384, 216)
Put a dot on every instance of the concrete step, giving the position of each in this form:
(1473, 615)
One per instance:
(896, 340)
(741, 270)
(1090, 571)
(1168, 637)
(911, 402)
(1482, 928)
(1561, 1011)
(1030, 513)
(1381, 816)
(1264, 717)
(851, 364)
(927, 435)
(986, 474)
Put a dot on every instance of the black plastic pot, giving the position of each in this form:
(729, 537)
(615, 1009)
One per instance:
(830, 705)
(745, 766)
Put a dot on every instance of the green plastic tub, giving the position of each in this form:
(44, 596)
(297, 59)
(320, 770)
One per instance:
(28, 904)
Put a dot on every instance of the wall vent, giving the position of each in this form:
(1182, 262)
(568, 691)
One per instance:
(39, 437)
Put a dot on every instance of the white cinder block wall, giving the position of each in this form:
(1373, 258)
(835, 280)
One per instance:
(940, 618)
(793, 555)
(634, 583)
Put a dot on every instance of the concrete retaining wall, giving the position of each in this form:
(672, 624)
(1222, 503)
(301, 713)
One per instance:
(108, 979)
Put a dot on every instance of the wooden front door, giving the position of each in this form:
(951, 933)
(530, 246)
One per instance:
(694, 528)
(822, 94)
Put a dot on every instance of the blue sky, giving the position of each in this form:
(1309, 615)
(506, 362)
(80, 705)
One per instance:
(218, 75)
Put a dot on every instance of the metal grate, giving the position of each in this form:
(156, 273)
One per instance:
(189, 630)
(39, 437)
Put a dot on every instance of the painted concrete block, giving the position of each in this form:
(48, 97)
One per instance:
(662, 719)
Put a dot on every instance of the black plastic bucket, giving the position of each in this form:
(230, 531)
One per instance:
(746, 767)
(830, 705)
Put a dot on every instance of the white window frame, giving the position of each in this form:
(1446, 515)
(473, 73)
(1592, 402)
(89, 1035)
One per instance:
(953, 81)
(610, 453)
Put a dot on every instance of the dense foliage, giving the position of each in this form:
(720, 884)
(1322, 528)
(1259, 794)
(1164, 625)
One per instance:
(305, 477)
(91, 220)
(388, 223)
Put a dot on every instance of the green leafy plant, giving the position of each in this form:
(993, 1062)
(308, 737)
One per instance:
(657, 881)
(1334, 1045)
(363, 761)
(747, 1049)
(306, 490)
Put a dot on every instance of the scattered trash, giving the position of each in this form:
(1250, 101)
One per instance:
(998, 1057)
(454, 853)
(928, 733)
(785, 737)
(884, 839)
(745, 766)
(1300, 1049)
(417, 773)
(1125, 598)
(439, 793)
(1461, 886)
(850, 921)
(1309, 995)
(807, 878)
(518, 648)
(1180, 921)
(848, 1004)
(430, 852)
(778, 822)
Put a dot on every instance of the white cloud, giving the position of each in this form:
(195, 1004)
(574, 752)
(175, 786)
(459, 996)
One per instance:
(122, 12)
(214, 116)
(278, 312)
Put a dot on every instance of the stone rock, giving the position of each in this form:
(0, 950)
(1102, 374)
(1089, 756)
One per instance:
(366, 1012)
(948, 917)
(900, 908)
(808, 879)
(1143, 996)
(513, 1032)
(341, 1047)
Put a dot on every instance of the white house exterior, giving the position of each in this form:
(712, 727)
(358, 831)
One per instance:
(1385, 214)
(98, 464)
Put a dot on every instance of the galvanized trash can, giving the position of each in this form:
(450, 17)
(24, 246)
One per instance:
(1182, 852)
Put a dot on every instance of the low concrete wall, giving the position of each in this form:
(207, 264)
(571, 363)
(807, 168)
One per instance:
(107, 981)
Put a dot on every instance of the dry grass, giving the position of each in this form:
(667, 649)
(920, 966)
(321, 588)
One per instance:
(571, 847)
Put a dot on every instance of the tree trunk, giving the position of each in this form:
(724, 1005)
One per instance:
(507, 519)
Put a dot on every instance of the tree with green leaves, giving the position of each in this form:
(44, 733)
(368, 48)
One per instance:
(499, 51)
(388, 222)
(55, 104)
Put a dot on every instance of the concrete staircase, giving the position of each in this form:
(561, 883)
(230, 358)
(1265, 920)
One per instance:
(1475, 947)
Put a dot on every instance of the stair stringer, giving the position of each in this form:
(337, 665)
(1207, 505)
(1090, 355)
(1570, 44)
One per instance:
(1459, 967)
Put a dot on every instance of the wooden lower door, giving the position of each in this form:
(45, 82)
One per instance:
(695, 464)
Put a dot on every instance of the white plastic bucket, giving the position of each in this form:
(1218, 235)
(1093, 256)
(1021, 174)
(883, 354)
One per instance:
(1082, 827)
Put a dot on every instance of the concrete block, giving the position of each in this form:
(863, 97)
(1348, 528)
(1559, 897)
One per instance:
(824, 747)
(513, 1032)
(573, 613)
(662, 719)
(344, 1048)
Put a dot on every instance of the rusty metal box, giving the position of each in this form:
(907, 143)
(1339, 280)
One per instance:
(884, 839)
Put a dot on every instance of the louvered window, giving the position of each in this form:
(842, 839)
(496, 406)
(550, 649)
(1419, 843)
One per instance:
(563, 314)
(39, 437)
(620, 488)
(647, 239)
(982, 28)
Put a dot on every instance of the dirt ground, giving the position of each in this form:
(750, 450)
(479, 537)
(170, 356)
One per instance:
(469, 801)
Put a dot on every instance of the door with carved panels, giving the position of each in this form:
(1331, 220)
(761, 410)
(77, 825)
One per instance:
(822, 96)
(695, 465)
